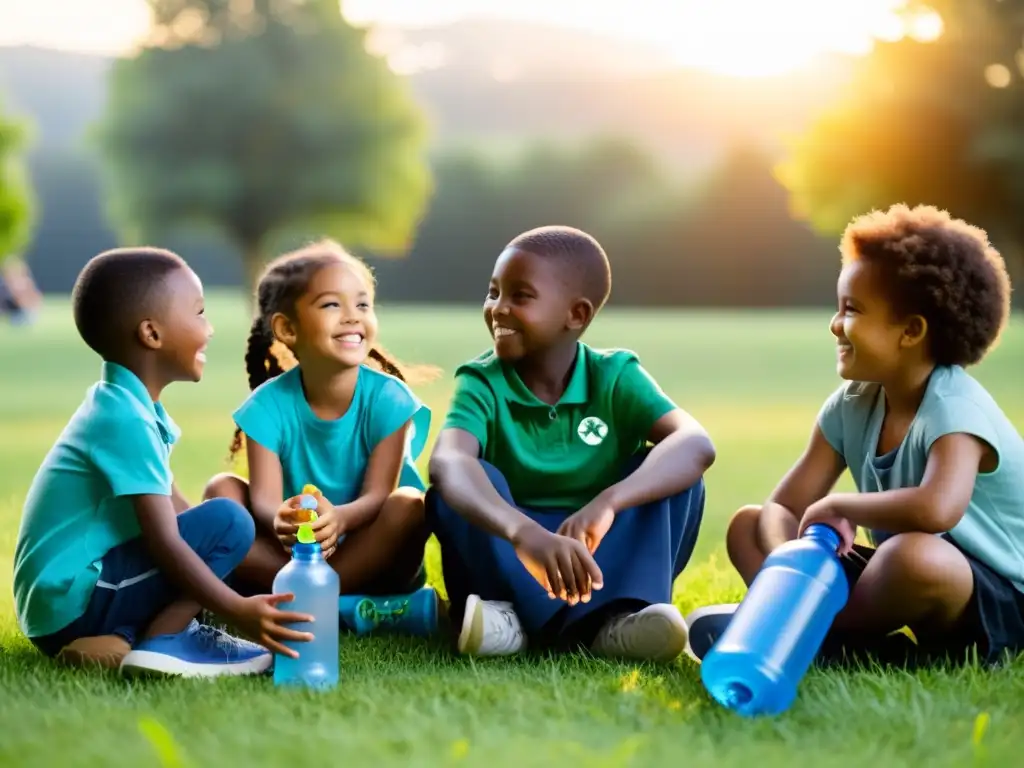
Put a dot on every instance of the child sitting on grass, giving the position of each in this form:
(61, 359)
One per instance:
(335, 422)
(111, 565)
(938, 467)
(557, 526)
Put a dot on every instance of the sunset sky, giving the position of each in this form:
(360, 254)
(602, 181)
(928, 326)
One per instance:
(741, 37)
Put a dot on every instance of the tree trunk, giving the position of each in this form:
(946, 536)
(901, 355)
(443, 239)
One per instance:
(253, 263)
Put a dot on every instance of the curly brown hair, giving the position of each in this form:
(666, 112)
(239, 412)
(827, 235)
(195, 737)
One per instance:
(282, 284)
(941, 268)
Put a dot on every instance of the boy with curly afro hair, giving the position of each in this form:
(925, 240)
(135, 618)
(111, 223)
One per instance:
(938, 467)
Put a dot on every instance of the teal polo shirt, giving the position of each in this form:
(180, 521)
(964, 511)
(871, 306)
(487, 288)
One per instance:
(79, 506)
(559, 456)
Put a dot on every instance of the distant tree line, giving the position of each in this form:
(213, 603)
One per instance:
(727, 240)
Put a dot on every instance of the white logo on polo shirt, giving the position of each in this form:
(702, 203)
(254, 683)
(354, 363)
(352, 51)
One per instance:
(592, 430)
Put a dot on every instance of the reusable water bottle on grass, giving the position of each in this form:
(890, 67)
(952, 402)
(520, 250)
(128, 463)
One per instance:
(314, 584)
(757, 663)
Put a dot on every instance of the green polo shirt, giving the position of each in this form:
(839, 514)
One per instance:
(559, 456)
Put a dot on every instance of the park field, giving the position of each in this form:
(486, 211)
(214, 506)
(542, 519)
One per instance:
(755, 380)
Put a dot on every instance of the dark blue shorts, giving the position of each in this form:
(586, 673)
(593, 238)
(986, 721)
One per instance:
(993, 622)
(646, 548)
(132, 591)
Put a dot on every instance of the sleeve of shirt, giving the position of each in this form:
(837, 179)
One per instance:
(392, 406)
(131, 455)
(830, 419)
(260, 420)
(638, 400)
(472, 408)
(958, 415)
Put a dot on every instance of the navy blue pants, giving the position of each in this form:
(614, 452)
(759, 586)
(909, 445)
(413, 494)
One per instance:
(132, 591)
(644, 551)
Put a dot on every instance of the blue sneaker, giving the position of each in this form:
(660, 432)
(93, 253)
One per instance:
(197, 651)
(412, 614)
(705, 626)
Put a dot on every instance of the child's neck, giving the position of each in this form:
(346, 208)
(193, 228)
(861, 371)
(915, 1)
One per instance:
(147, 368)
(547, 373)
(904, 393)
(328, 389)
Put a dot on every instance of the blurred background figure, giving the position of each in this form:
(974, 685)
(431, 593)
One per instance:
(19, 297)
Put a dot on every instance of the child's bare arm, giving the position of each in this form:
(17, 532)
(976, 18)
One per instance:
(810, 479)
(682, 453)
(381, 478)
(455, 470)
(561, 565)
(256, 615)
(266, 483)
(935, 506)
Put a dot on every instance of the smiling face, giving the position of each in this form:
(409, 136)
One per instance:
(184, 329)
(871, 337)
(333, 320)
(530, 305)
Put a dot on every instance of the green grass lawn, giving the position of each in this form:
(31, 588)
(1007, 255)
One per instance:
(755, 380)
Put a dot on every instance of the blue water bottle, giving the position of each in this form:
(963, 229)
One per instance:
(315, 586)
(757, 663)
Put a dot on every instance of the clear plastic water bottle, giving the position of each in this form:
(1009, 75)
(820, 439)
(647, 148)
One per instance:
(757, 663)
(315, 587)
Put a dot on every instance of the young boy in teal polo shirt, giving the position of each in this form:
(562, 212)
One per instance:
(111, 566)
(558, 527)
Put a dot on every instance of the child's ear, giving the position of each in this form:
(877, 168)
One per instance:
(914, 332)
(580, 314)
(149, 335)
(283, 329)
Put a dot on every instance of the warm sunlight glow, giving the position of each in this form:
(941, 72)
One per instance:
(736, 37)
(746, 38)
(94, 26)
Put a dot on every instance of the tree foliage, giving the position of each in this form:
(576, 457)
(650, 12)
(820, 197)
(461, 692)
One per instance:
(924, 121)
(15, 199)
(263, 118)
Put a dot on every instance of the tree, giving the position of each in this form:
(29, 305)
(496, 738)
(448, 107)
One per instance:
(266, 119)
(15, 201)
(925, 121)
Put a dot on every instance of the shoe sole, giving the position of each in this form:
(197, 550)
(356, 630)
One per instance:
(472, 634)
(696, 615)
(146, 663)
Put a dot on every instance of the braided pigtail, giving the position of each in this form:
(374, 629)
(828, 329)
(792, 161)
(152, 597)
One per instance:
(260, 363)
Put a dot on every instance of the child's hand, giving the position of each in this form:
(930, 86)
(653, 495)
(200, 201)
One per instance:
(821, 512)
(330, 524)
(561, 565)
(590, 524)
(259, 617)
(287, 519)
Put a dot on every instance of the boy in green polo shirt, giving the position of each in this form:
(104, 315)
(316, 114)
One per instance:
(111, 566)
(557, 526)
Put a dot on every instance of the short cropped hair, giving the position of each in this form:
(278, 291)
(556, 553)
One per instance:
(576, 251)
(115, 291)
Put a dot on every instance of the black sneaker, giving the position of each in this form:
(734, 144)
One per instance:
(705, 626)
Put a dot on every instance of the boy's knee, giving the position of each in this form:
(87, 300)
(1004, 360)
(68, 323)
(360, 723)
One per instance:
(233, 522)
(497, 480)
(227, 486)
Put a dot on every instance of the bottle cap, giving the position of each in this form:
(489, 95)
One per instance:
(307, 503)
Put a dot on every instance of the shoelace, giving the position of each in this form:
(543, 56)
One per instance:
(211, 636)
(615, 626)
(507, 617)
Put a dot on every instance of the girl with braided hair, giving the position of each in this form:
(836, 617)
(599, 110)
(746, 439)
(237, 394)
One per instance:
(340, 417)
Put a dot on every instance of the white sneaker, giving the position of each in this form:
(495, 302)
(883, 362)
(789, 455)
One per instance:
(490, 628)
(657, 633)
